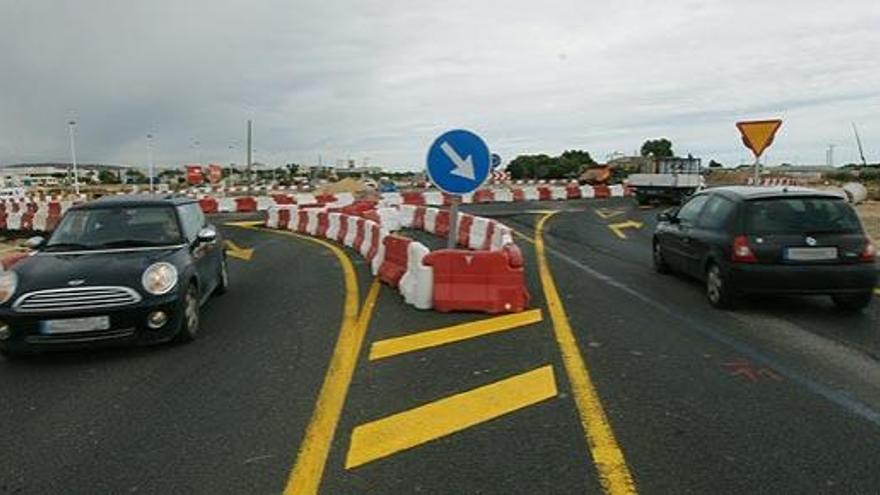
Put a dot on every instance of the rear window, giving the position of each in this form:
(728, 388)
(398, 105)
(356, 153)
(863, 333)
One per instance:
(800, 216)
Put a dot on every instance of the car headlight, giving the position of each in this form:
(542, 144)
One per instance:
(8, 284)
(159, 278)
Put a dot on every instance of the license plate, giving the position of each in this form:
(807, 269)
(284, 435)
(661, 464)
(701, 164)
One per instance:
(74, 325)
(811, 253)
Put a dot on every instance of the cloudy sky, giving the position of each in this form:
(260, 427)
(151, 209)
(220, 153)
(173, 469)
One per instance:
(380, 79)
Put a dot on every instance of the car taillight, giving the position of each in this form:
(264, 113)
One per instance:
(870, 252)
(742, 253)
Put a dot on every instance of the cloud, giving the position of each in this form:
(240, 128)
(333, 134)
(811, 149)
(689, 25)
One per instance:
(381, 79)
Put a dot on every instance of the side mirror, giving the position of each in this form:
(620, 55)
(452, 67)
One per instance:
(207, 235)
(664, 217)
(35, 242)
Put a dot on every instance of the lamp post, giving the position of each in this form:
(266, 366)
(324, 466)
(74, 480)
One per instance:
(150, 160)
(71, 126)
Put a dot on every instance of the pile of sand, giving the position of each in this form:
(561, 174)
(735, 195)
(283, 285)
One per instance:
(348, 185)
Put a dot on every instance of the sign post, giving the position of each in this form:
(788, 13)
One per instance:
(458, 163)
(758, 135)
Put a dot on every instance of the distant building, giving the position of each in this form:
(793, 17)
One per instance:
(808, 172)
(358, 171)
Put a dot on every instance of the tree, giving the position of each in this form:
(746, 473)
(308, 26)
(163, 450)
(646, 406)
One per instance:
(292, 168)
(658, 148)
(714, 164)
(107, 177)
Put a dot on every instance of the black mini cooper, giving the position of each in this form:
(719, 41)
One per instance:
(118, 270)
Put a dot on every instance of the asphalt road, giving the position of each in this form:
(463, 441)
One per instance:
(302, 380)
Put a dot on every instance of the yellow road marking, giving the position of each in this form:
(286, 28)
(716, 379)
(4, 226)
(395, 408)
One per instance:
(234, 250)
(614, 474)
(618, 228)
(408, 429)
(305, 478)
(433, 338)
(606, 213)
(246, 224)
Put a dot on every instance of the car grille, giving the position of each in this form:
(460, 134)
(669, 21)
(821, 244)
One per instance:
(76, 299)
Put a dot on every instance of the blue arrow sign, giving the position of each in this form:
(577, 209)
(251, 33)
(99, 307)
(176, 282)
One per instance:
(496, 160)
(458, 162)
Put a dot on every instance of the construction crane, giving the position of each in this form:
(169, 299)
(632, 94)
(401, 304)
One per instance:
(859, 143)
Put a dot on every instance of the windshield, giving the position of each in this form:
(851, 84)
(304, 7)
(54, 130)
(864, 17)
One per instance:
(116, 227)
(800, 216)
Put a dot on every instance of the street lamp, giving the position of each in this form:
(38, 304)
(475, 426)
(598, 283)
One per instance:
(71, 125)
(150, 160)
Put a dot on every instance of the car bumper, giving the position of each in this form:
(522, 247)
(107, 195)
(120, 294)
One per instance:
(816, 279)
(128, 326)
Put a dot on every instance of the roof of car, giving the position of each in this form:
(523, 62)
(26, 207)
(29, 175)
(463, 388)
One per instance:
(136, 200)
(752, 192)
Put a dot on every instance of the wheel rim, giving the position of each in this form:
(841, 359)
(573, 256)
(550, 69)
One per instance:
(714, 284)
(192, 312)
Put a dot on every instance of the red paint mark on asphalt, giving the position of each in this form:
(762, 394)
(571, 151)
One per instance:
(750, 371)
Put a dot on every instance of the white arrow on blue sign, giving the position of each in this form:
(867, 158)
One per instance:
(458, 162)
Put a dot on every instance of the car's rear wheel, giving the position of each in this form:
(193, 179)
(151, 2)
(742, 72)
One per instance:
(189, 324)
(223, 284)
(717, 290)
(660, 265)
(853, 302)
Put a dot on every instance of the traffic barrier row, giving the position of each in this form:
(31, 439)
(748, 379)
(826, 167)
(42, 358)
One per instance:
(486, 275)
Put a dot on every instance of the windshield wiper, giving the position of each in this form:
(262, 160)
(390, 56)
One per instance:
(67, 245)
(133, 243)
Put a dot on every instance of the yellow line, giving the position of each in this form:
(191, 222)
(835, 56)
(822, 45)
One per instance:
(305, 478)
(408, 429)
(433, 338)
(614, 474)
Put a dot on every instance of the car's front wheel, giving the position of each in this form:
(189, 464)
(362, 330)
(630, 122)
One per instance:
(853, 302)
(189, 324)
(717, 289)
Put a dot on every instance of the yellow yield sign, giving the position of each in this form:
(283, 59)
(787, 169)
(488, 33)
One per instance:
(234, 250)
(757, 135)
(618, 228)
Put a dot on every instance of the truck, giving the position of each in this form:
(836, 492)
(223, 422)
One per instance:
(669, 180)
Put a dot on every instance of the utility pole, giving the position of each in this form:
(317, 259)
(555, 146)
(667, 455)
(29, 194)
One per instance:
(829, 155)
(71, 128)
(859, 143)
(150, 161)
(249, 152)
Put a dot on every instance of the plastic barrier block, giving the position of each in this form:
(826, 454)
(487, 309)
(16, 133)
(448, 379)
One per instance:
(283, 199)
(464, 230)
(430, 220)
(350, 230)
(441, 224)
(558, 193)
(208, 205)
(503, 195)
(283, 219)
(226, 205)
(245, 204)
(375, 234)
(447, 199)
(392, 199)
(358, 241)
(477, 235)
(419, 218)
(616, 191)
(413, 198)
(312, 225)
(325, 198)
(476, 281)
(264, 203)
(588, 192)
(544, 193)
(371, 215)
(302, 221)
(484, 196)
(417, 284)
(519, 194)
(530, 193)
(434, 198)
(333, 225)
(323, 224)
(343, 228)
(601, 191)
(572, 192)
(490, 232)
(395, 263)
